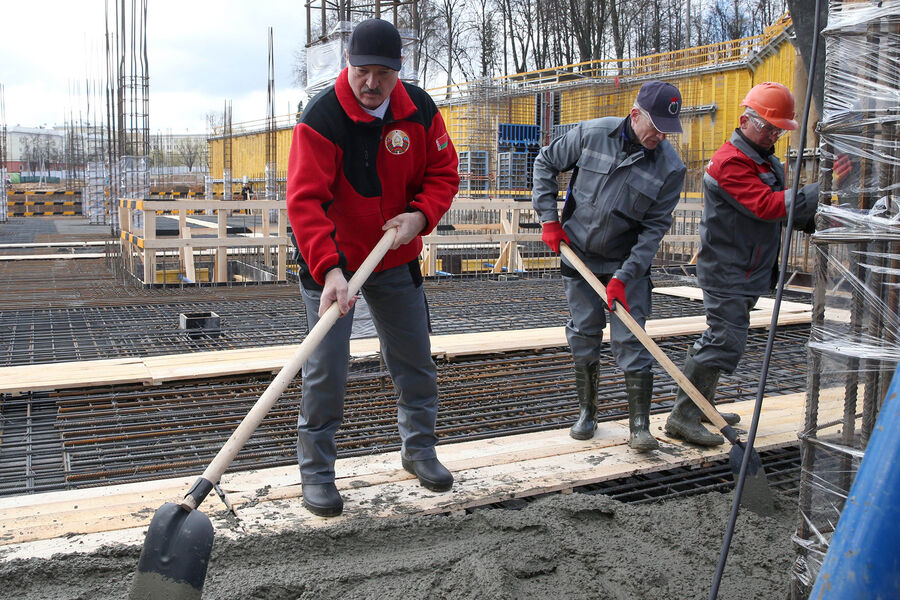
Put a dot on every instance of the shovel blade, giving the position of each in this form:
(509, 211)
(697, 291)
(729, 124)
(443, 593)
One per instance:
(756, 495)
(175, 555)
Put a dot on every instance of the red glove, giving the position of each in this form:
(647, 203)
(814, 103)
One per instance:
(615, 293)
(552, 234)
(842, 166)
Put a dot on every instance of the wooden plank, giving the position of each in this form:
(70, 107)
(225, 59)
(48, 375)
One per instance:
(34, 378)
(221, 252)
(486, 471)
(218, 242)
(282, 249)
(680, 291)
(217, 205)
(483, 238)
(695, 293)
(72, 244)
(189, 271)
(766, 304)
(75, 256)
(149, 252)
(157, 369)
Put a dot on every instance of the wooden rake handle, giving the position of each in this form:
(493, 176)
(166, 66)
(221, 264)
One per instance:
(248, 425)
(679, 377)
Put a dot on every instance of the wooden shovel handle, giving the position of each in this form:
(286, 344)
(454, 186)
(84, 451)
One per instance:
(249, 424)
(679, 377)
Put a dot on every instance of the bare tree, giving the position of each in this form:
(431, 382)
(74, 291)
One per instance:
(487, 33)
(460, 40)
(728, 20)
(190, 150)
(450, 41)
(40, 154)
(588, 24)
(516, 14)
(214, 121)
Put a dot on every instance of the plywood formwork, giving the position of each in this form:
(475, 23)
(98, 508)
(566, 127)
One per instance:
(248, 153)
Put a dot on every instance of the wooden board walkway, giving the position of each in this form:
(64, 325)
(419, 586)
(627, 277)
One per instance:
(486, 471)
(153, 370)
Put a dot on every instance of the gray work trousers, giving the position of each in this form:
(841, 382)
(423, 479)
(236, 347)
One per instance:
(400, 315)
(722, 345)
(584, 331)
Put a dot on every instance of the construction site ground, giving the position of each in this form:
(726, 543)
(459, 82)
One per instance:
(533, 512)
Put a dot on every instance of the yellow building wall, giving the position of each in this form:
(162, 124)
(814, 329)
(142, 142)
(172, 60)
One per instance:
(711, 100)
(248, 154)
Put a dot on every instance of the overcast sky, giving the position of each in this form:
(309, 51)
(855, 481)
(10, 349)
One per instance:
(200, 53)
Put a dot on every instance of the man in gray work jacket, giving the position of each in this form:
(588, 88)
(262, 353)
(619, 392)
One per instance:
(627, 181)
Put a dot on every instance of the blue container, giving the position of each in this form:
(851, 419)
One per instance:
(863, 560)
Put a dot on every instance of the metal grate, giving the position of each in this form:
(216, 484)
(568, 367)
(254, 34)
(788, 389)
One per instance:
(83, 438)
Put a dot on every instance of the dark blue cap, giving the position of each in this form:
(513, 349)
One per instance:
(662, 101)
(375, 42)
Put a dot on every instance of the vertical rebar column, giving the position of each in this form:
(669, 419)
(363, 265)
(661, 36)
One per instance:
(111, 138)
(93, 192)
(4, 207)
(892, 175)
(226, 152)
(134, 108)
(855, 265)
(271, 138)
(873, 132)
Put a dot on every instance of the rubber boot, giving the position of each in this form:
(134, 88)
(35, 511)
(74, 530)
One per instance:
(684, 421)
(730, 418)
(586, 388)
(639, 386)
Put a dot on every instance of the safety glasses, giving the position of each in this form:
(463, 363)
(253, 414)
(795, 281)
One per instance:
(768, 128)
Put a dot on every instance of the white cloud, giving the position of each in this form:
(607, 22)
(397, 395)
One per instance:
(200, 53)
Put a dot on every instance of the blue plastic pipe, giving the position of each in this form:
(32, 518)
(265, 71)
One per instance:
(863, 560)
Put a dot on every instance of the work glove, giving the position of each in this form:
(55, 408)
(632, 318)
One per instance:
(552, 234)
(805, 211)
(842, 167)
(615, 293)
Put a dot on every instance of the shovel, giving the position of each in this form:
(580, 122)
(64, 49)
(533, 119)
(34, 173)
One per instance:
(179, 540)
(756, 494)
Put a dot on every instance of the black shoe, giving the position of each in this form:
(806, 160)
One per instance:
(431, 473)
(322, 499)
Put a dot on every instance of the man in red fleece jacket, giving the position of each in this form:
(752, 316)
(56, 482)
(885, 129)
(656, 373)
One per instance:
(368, 154)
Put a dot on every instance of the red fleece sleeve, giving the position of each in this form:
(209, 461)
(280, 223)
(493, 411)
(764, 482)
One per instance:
(312, 167)
(441, 181)
(739, 177)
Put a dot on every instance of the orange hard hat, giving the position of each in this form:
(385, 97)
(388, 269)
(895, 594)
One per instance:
(774, 103)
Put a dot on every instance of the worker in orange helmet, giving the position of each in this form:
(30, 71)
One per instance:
(745, 207)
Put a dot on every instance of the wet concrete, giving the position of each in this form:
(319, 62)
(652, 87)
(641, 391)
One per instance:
(562, 546)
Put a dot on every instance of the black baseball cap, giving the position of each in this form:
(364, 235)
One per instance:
(662, 101)
(375, 42)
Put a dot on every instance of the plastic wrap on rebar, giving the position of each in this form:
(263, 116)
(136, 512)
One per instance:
(855, 336)
(860, 320)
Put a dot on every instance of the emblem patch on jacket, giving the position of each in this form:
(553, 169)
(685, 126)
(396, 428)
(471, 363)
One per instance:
(442, 142)
(397, 141)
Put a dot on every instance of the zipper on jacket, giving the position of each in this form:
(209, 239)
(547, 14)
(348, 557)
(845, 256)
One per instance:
(755, 262)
